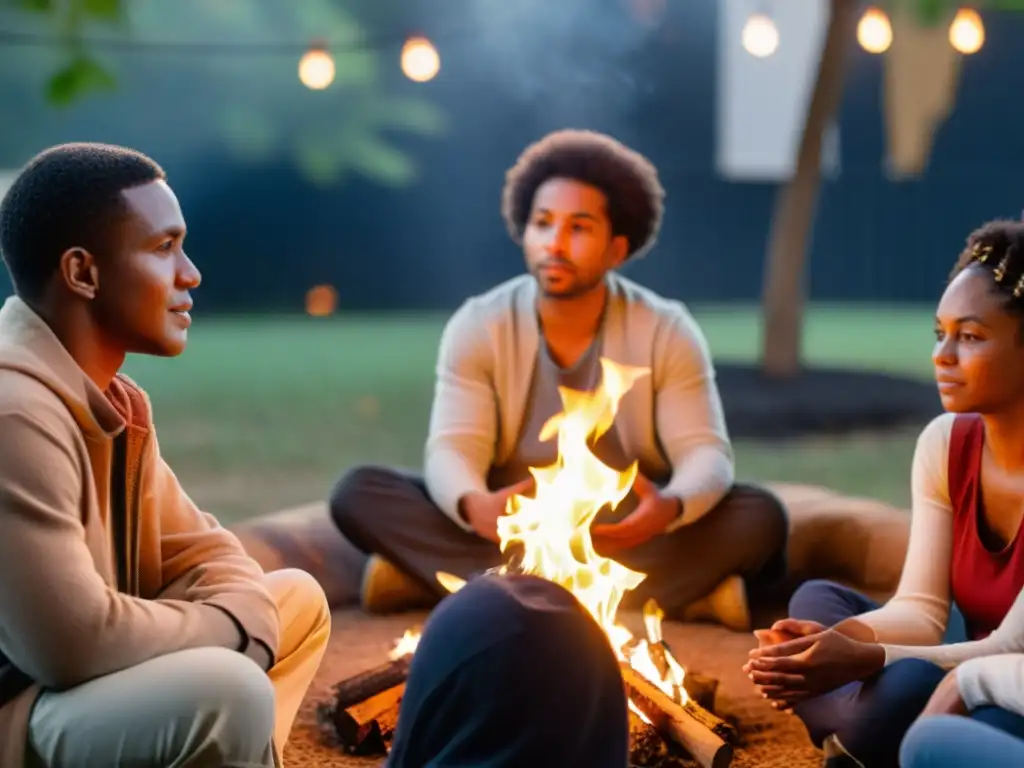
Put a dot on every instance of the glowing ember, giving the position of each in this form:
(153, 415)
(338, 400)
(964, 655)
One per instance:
(553, 527)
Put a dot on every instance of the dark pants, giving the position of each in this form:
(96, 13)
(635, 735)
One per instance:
(870, 718)
(389, 513)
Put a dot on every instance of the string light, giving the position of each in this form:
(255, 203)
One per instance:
(316, 67)
(967, 33)
(420, 60)
(874, 32)
(760, 36)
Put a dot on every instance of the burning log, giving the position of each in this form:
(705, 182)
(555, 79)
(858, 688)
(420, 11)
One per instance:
(366, 685)
(701, 690)
(647, 747)
(366, 707)
(701, 733)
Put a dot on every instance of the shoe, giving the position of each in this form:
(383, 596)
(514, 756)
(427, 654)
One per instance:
(727, 605)
(836, 755)
(388, 589)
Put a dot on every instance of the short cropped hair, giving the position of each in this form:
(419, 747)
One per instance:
(627, 178)
(998, 248)
(68, 196)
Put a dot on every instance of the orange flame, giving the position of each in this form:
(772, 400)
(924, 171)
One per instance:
(553, 527)
(406, 645)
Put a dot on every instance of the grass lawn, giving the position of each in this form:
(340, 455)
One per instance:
(262, 413)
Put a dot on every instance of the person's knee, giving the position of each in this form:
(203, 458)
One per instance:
(302, 603)
(230, 702)
(759, 517)
(772, 519)
(926, 743)
(915, 679)
(917, 750)
(810, 595)
(353, 497)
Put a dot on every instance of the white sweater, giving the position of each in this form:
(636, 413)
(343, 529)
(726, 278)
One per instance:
(993, 680)
(913, 623)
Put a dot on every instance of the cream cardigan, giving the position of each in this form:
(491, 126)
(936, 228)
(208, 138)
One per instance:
(671, 420)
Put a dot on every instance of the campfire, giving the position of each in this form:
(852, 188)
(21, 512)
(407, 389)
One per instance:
(551, 535)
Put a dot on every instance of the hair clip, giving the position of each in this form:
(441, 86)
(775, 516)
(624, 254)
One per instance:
(981, 252)
(1000, 271)
(1018, 289)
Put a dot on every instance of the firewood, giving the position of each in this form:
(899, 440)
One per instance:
(705, 689)
(647, 747)
(366, 728)
(365, 708)
(701, 690)
(364, 686)
(692, 727)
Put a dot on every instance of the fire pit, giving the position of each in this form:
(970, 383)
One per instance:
(662, 718)
(550, 532)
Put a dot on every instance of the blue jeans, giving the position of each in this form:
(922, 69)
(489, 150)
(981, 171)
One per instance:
(870, 718)
(959, 742)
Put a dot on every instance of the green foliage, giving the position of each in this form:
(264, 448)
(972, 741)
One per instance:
(232, 57)
(932, 12)
(81, 76)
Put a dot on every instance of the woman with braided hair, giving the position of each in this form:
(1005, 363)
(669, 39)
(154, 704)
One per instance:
(859, 674)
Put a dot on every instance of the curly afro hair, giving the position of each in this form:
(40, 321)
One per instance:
(627, 178)
(998, 248)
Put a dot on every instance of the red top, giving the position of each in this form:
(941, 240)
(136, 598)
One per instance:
(985, 582)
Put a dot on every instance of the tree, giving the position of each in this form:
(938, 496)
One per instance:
(241, 76)
(796, 201)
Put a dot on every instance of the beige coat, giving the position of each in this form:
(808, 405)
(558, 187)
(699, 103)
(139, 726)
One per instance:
(670, 421)
(105, 562)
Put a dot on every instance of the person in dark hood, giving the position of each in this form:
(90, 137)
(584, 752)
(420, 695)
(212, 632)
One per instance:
(512, 672)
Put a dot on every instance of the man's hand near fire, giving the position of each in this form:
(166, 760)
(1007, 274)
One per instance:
(482, 510)
(805, 667)
(652, 516)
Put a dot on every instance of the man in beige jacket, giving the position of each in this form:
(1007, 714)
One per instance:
(580, 204)
(134, 630)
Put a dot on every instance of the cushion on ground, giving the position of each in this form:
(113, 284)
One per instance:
(770, 739)
(860, 542)
(304, 537)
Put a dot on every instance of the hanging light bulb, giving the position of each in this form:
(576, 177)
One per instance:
(874, 32)
(760, 36)
(420, 61)
(967, 33)
(316, 67)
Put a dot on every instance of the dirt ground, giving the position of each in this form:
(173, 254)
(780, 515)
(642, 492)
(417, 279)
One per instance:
(769, 739)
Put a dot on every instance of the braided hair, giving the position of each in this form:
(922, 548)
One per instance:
(998, 248)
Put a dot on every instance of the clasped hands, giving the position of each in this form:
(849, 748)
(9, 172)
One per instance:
(799, 660)
(652, 515)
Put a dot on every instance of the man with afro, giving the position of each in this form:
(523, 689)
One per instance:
(580, 204)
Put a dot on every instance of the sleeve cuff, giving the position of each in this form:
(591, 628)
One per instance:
(243, 642)
(248, 645)
(446, 494)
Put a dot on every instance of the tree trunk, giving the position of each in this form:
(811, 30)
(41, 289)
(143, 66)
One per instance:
(796, 205)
